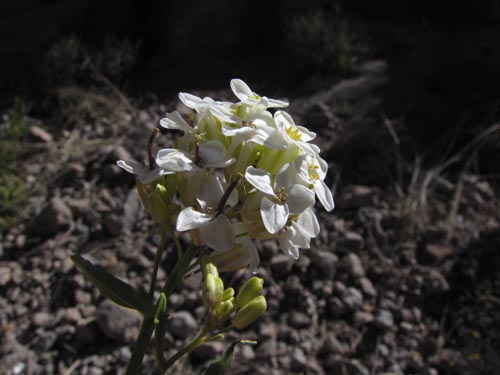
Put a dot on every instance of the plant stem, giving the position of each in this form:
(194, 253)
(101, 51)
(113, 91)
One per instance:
(158, 256)
(198, 340)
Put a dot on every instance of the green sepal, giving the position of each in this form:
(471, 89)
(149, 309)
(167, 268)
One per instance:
(115, 289)
(223, 364)
(161, 307)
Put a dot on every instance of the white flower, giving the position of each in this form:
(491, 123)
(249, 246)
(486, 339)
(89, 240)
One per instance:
(247, 96)
(282, 198)
(311, 171)
(243, 254)
(295, 134)
(202, 106)
(299, 233)
(175, 121)
(216, 229)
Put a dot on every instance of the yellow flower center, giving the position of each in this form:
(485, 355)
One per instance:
(294, 133)
(281, 196)
(313, 174)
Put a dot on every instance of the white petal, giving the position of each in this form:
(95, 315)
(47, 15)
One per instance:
(230, 131)
(219, 234)
(175, 121)
(174, 160)
(274, 103)
(324, 195)
(241, 89)
(189, 218)
(309, 222)
(211, 191)
(189, 100)
(212, 151)
(274, 215)
(306, 134)
(285, 177)
(260, 179)
(132, 167)
(299, 198)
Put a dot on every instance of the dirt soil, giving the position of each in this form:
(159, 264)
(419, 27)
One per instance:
(403, 278)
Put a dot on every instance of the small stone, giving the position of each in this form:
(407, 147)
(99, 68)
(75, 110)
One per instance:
(325, 262)
(40, 134)
(5, 275)
(246, 352)
(299, 359)
(43, 319)
(384, 319)
(332, 345)
(181, 324)
(131, 210)
(117, 323)
(336, 307)
(435, 252)
(299, 320)
(352, 299)
(350, 242)
(367, 287)
(209, 351)
(356, 196)
(54, 218)
(281, 265)
(79, 207)
(435, 283)
(363, 317)
(352, 265)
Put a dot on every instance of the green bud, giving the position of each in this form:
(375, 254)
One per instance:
(224, 309)
(227, 294)
(250, 312)
(207, 267)
(158, 204)
(249, 291)
(212, 289)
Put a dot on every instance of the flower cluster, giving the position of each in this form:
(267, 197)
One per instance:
(238, 172)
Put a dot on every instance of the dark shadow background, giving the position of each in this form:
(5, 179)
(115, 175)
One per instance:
(443, 56)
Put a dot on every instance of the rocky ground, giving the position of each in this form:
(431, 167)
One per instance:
(403, 278)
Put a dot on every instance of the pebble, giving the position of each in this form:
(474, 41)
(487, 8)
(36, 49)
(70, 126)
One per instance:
(281, 265)
(40, 134)
(363, 317)
(55, 217)
(299, 320)
(181, 324)
(350, 242)
(354, 196)
(118, 323)
(5, 275)
(367, 287)
(384, 319)
(352, 265)
(209, 351)
(325, 262)
(352, 299)
(43, 319)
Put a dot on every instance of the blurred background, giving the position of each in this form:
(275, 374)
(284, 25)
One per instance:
(404, 98)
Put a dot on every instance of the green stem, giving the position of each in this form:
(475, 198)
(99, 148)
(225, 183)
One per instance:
(198, 340)
(158, 256)
(177, 244)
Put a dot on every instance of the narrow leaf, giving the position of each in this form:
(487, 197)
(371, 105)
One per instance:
(223, 364)
(140, 346)
(115, 289)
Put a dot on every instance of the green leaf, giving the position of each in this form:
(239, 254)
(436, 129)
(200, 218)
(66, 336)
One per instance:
(115, 289)
(140, 346)
(223, 364)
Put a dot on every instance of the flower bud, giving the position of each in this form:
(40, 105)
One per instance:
(224, 309)
(212, 289)
(227, 294)
(249, 291)
(207, 266)
(158, 204)
(250, 312)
